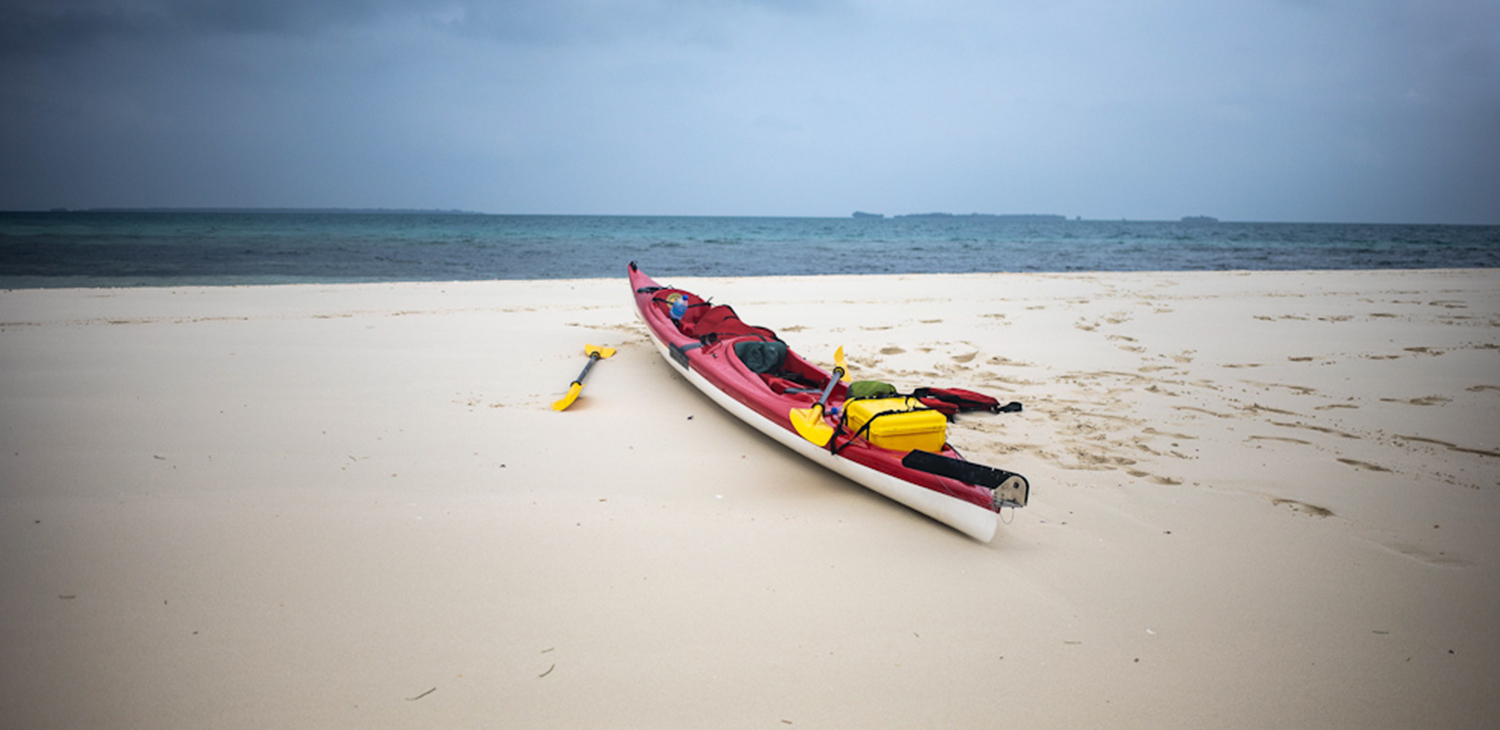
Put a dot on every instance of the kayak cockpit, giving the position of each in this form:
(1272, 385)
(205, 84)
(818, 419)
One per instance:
(718, 329)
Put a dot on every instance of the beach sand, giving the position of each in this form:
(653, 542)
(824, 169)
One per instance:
(1258, 500)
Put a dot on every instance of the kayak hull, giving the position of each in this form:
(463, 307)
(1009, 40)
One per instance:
(713, 370)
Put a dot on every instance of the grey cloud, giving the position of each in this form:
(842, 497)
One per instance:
(56, 25)
(42, 26)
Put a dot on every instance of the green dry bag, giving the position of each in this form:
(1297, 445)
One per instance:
(870, 389)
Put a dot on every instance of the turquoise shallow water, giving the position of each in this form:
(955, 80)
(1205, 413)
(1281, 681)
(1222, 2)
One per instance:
(139, 248)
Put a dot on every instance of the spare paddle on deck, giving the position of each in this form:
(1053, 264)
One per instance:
(843, 365)
(809, 421)
(595, 354)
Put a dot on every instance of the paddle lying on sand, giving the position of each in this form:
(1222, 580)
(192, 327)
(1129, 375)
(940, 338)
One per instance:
(809, 421)
(595, 354)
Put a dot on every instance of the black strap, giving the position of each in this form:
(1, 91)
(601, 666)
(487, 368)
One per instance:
(709, 338)
(843, 418)
(862, 429)
(679, 353)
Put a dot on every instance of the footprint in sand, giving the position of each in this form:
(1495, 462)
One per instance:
(1429, 400)
(1255, 408)
(1153, 432)
(1282, 439)
(1311, 427)
(1362, 465)
(1296, 389)
(1440, 558)
(1449, 446)
(1303, 507)
(1166, 481)
(1204, 411)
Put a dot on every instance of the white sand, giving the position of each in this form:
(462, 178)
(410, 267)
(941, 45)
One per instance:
(1258, 500)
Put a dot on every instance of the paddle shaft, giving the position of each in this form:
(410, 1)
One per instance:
(838, 372)
(593, 358)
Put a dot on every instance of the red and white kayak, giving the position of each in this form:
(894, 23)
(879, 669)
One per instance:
(892, 445)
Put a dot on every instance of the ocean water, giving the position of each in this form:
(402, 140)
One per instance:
(142, 248)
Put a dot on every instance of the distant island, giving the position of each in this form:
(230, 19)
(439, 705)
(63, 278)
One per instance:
(1199, 219)
(862, 214)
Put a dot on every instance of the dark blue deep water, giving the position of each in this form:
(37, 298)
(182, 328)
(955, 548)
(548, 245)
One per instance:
(140, 248)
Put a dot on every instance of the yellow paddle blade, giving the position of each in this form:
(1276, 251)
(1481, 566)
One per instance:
(838, 359)
(810, 424)
(595, 353)
(568, 399)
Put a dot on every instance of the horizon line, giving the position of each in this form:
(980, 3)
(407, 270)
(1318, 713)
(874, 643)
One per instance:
(857, 215)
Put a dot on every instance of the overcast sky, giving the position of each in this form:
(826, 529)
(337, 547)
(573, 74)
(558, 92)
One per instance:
(1268, 110)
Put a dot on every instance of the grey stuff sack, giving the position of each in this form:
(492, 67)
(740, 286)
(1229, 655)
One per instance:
(761, 357)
